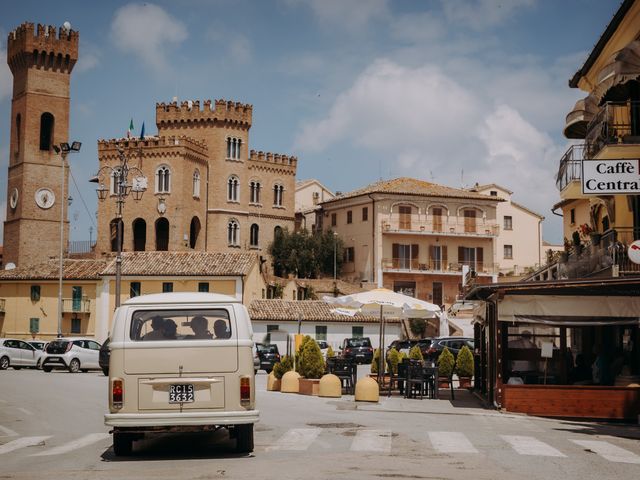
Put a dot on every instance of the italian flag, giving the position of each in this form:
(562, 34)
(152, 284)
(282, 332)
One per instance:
(130, 131)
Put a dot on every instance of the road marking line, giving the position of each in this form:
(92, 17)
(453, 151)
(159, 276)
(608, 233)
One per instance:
(296, 439)
(372, 441)
(531, 446)
(451, 442)
(21, 443)
(74, 445)
(609, 451)
(7, 432)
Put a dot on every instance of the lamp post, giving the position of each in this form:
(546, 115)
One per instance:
(121, 190)
(335, 254)
(63, 150)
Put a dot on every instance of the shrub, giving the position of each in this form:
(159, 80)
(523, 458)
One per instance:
(415, 353)
(394, 359)
(446, 362)
(311, 364)
(283, 366)
(375, 362)
(464, 362)
(330, 352)
(305, 339)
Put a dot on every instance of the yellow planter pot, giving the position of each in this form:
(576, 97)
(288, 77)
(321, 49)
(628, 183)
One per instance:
(290, 382)
(367, 390)
(273, 383)
(330, 386)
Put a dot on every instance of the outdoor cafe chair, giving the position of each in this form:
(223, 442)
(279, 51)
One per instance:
(416, 382)
(346, 370)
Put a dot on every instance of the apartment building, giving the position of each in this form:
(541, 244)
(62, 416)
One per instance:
(309, 195)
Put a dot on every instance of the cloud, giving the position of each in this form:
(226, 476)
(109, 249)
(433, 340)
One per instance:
(350, 16)
(482, 14)
(146, 31)
(89, 57)
(237, 45)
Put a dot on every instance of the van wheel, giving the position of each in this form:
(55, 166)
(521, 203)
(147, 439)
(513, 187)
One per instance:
(4, 363)
(47, 369)
(74, 365)
(244, 438)
(122, 444)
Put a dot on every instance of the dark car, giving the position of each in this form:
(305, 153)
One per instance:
(454, 344)
(268, 356)
(103, 358)
(358, 349)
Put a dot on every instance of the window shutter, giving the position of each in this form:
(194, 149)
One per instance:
(443, 249)
(414, 250)
(479, 259)
(432, 253)
(460, 254)
(395, 255)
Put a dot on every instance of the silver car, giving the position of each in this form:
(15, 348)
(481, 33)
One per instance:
(73, 354)
(17, 354)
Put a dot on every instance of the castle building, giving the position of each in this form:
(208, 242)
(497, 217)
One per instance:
(41, 60)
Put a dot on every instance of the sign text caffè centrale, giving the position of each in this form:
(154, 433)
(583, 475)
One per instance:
(611, 177)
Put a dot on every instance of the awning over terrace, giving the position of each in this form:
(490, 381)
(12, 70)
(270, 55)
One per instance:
(623, 66)
(578, 119)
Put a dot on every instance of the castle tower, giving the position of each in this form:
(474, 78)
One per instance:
(41, 61)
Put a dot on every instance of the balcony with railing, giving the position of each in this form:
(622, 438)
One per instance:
(440, 225)
(408, 265)
(615, 123)
(570, 169)
(74, 305)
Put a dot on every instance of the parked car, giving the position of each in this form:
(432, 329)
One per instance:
(38, 345)
(454, 344)
(402, 345)
(103, 357)
(17, 354)
(74, 354)
(324, 347)
(268, 356)
(358, 349)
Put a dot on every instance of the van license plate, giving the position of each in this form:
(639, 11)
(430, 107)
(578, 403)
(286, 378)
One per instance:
(183, 393)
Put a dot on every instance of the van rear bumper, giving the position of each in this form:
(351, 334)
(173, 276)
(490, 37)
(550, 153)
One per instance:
(180, 419)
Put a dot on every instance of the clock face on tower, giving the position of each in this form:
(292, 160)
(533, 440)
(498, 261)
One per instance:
(13, 199)
(45, 198)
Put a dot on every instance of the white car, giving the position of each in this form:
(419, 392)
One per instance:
(17, 354)
(74, 354)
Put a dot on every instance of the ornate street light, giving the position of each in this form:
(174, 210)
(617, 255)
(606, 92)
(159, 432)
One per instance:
(63, 150)
(122, 189)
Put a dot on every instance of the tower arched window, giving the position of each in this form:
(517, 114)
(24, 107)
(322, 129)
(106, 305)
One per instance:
(162, 234)
(254, 236)
(278, 193)
(234, 147)
(194, 232)
(277, 232)
(46, 131)
(113, 230)
(233, 233)
(255, 191)
(196, 184)
(139, 228)
(233, 189)
(163, 179)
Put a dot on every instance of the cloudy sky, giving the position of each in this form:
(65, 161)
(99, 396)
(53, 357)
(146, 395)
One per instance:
(449, 91)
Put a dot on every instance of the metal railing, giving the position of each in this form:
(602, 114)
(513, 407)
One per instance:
(70, 305)
(616, 122)
(441, 225)
(81, 246)
(570, 166)
(438, 266)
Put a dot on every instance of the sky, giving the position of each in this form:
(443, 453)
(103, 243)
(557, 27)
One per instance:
(448, 91)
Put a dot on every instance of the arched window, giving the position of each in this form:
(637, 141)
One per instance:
(113, 229)
(163, 180)
(162, 234)
(115, 181)
(46, 131)
(254, 235)
(18, 131)
(233, 233)
(255, 191)
(233, 148)
(233, 185)
(278, 191)
(277, 232)
(196, 184)
(139, 228)
(194, 232)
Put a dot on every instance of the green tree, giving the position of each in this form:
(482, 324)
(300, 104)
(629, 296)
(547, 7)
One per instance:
(418, 326)
(375, 362)
(330, 352)
(311, 362)
(464, 362)
(446, 362)
(283, 366)
(415, 353)
(394, 360)
(305, 255)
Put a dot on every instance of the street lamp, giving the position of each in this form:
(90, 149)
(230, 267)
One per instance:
(121, 190)
(63, 150)
(335, 255)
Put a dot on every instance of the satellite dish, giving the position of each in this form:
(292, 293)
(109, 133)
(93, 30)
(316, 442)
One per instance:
(67, 26)
(10, 266)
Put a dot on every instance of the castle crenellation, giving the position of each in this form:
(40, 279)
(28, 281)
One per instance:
(164, 141)
(268, 157)
(47, 42)
(219, 110)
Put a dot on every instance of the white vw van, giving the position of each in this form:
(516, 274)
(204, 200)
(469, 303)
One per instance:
(181, 362)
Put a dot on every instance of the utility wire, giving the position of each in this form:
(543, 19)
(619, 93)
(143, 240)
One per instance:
(82, 198)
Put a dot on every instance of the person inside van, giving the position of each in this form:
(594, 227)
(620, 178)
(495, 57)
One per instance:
(156, 333)
(169, 329)
(199, 326)
(220, 329)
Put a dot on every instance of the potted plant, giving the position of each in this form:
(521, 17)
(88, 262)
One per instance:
(446, 363)
(279, 369)
(415, 353)
(310, 366)
(464, 367)
(394, 359)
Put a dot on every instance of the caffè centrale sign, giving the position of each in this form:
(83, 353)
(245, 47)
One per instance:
(611, 177)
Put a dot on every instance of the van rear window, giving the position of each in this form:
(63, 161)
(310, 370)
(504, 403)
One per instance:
(195, 324)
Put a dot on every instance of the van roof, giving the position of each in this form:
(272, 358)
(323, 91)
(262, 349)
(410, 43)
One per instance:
(181, 298)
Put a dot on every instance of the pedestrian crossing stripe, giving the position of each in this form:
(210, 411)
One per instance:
(74, 445)
(296, 439)
(372, 441)
(451, 442)
(609, 451)
(531, 446)
(21, 443)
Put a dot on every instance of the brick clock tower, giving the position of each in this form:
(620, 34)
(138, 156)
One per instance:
(41, 60)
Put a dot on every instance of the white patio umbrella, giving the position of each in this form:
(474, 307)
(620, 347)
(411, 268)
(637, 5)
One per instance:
(387, 304)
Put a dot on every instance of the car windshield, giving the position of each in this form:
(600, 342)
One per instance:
(358, 342)
(268, 348)
(57, 346)
(187, 324)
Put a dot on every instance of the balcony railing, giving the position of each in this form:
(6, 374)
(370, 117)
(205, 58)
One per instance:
(616, 122)
(570, 166)
(434, 266)
(70, 305)
(440, 225)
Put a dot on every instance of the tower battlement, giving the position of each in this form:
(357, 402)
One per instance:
(273, 158)
(135, 144)
(191, 111)
(43, 46)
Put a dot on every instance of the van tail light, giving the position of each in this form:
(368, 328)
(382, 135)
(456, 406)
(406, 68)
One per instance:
(245, 391)
(117, 393)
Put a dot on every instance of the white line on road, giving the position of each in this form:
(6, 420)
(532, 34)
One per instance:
(7, 432)
(296, 439)
(609, 451)
(74, 445)
(21, 443)
(451, 442)
(372, 441)
(531, 446)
